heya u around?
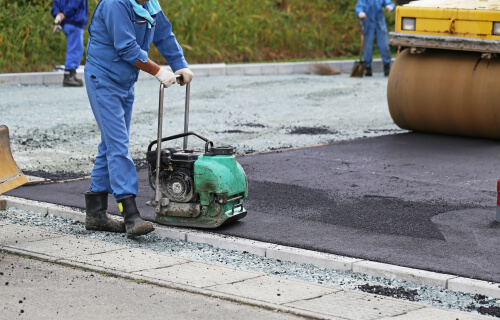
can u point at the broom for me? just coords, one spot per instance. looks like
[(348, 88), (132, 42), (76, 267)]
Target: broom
[(324, 69), (358, 70)]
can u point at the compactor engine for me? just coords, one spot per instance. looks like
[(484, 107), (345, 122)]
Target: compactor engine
[(198, 189)]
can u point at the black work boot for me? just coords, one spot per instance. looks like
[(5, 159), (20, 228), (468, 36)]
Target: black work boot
[(387, 69), (78, 80), (96, 218), (134, 225), (368, 72), (70, 79)]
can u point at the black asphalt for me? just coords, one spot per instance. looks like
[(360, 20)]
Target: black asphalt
[(416, 200)]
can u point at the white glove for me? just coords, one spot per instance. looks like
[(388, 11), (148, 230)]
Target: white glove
[(57, 28), (166, 77), (388, 8), (57, 23), (187, 76), (362, 15)]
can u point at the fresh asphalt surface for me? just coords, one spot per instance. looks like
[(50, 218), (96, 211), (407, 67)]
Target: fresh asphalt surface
[(416, 200)]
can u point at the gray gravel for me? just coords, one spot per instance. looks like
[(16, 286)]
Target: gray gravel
[(53, 129), (434, 296)]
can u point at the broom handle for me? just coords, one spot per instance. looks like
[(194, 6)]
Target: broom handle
[(362, 28)]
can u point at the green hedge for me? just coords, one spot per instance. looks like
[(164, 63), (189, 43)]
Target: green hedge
[(209, 31)]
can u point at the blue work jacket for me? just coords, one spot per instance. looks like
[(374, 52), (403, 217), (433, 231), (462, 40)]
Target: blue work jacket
[(118, 38), (373, 10), (76, 12)]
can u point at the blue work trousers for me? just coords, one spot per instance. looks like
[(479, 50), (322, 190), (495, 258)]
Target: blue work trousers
[(74, 46), (372, 31), (114, 171)]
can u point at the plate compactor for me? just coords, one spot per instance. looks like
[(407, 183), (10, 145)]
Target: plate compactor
[(202, 189)]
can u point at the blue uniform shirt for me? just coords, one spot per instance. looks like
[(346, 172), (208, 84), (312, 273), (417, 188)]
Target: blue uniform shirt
[(373, 10), (75, 12), (118, 38)]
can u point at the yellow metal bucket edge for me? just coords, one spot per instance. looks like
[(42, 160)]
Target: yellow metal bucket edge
[(10, 175)]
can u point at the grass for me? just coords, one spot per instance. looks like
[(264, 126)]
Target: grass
[(210, 31)]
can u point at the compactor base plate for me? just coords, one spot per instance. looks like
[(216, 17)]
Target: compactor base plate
[(200, 222)]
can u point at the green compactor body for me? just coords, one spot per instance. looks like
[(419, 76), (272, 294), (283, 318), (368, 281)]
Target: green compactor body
[(198, 189)]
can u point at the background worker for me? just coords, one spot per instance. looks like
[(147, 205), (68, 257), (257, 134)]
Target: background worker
[(120, 35), (370, 12), (71, 17)]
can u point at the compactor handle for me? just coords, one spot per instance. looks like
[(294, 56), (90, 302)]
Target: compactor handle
[(186, 107), (160, 134), (180, 135)]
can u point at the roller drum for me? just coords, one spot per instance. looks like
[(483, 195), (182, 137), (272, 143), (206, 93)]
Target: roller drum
[(449, 92)]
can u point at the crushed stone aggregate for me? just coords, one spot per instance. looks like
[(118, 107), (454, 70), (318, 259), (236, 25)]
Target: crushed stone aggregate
[(252, 114), (433, 296)]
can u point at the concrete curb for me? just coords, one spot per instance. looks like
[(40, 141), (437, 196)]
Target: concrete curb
[(202, 70), (389, 271), (297, 255), (318, 259), (490, 289)]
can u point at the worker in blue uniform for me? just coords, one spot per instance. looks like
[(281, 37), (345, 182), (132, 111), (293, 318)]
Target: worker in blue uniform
[(370, 12), (71, 17), (120, 34)]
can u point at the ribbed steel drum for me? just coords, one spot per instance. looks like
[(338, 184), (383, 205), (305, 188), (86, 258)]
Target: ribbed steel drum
[(449, 92)]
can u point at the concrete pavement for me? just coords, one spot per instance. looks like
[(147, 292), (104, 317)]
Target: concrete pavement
[(44, 290), (25, 280)]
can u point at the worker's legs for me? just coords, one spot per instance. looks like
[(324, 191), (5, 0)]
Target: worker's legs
[(100, 174), (100, 181), (383, 46), (74, 54), (74, 46), (114, 171), (368, 44)]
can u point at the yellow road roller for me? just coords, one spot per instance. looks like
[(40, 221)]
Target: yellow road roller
[(446, 77)]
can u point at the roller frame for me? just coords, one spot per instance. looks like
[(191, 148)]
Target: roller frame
[(444, 42)]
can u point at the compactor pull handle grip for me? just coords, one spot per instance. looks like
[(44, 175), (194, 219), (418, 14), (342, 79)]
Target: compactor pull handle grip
[(177, 76), (186, 108)]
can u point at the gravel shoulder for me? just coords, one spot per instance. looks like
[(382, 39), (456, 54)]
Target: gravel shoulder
[(252, 114)]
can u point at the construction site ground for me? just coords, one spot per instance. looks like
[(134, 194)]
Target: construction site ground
[(367, 190), (413, 200)]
